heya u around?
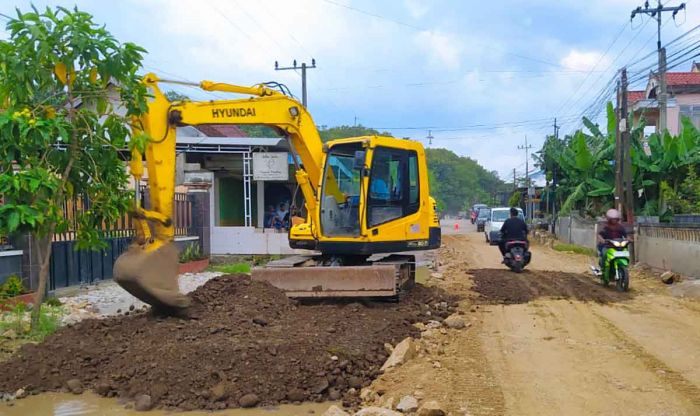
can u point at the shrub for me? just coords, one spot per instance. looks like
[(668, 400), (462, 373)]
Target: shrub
[(192, 253), (12, 287)]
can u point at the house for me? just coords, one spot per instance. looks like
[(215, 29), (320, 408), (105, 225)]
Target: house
[(245, 177), (683, 90)]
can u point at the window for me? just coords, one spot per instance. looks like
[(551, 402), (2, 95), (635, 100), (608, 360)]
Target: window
[(340, 201), (393, 185)]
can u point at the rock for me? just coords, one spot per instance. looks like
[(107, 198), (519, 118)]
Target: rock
[(668, 277), (75, 386), (432, 324), (388, 347), (389, 403), (431, 408), (102, 389), (436, 275), (355, 382), (296, 395), (334, 394), (20, 394), (377, 411), (249, 400), (454, 322), (407, 404), (404, 351), (260, 321), (335, 411), (219, 392), (320, 385), (143, 403), (9, 334), (367, 395), (436, 364)]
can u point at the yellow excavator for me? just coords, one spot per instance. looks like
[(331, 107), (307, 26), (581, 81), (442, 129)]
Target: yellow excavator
[(367, 201)]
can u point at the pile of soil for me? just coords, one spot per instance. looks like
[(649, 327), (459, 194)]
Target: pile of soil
[(502, 286), (243, 344)]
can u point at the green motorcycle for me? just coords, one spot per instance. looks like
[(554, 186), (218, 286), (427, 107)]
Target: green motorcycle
[(616, 263)]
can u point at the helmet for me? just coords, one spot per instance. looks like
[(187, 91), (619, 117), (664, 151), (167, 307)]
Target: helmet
[(612, 214)]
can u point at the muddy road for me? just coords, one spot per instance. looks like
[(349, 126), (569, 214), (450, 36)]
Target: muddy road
[(552, 341)]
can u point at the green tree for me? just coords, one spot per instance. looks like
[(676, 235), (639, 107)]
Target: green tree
[(61, 77), (341, 132), (457, 181)]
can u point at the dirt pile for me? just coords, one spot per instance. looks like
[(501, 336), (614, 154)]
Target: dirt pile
[(244, 344), (502, 286)]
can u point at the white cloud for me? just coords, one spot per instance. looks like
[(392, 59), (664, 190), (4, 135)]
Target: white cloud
[(582, 61), (417, 8), (442, 49)]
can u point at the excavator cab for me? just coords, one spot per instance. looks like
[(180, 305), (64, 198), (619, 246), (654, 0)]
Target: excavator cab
[(366, 198)]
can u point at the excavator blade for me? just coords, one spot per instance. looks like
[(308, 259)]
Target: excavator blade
[(300, 279), (151, 276)]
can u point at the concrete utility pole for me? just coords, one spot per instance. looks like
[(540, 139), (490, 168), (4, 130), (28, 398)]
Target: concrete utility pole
[(655, 13), (626, 153), (619, 190), (530, 194), (515, 181), (430, 138), (303, 68)]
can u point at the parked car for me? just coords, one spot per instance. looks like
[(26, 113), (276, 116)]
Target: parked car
[(492, 226), (475, 211), (481, 218)]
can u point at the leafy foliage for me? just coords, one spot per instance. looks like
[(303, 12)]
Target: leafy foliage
[(60, 75), (341, 132), (685, 200), (12, 287), (583, 166), (68, 92), (192, 252)]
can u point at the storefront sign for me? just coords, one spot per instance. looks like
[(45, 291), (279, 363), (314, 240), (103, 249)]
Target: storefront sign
[(271, 166)]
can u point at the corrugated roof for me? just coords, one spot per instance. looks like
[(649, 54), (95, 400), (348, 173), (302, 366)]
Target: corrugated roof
[(221, 130)]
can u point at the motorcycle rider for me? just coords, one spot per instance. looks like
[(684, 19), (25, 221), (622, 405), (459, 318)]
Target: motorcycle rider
[(612, 230), (514, 228)]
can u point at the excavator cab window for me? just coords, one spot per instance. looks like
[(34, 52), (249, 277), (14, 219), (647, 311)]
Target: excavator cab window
[(340, 204), (393, 185)]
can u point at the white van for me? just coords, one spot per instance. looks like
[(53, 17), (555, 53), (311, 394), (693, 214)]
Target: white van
[(492, 228)]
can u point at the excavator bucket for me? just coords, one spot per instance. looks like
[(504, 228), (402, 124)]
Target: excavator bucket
[(151, 276)]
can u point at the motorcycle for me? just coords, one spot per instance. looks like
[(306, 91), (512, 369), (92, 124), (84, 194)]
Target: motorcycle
[(517, 255), (616, 262)]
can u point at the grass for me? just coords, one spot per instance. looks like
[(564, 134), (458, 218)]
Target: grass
[(573, 248), (231, 268), (18, 321)]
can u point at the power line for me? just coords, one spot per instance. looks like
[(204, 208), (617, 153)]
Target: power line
[(617, 36), (375, 15)]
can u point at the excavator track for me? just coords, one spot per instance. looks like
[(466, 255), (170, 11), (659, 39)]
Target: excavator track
[(385, 276)]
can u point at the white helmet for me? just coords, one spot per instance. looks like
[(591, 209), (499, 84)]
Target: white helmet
[(612, 214)]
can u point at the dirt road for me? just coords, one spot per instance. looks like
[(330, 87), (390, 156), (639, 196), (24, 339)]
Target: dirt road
[(552, 341)]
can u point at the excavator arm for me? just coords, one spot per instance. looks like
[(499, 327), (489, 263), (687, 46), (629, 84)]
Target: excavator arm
[(148, 268)]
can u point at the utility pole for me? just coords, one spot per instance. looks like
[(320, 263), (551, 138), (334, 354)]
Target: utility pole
[(430, 138), (527, 177), (303, 68), (626, 154), (655, 13), (515, 181), (619, 190)]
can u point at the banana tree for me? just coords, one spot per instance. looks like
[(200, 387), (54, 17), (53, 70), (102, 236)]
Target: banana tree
[(588, 174)]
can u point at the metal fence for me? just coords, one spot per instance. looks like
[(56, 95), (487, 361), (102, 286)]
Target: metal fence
[(71, 267)]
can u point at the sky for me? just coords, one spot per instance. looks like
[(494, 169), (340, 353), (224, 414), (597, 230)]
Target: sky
[(479, 77)]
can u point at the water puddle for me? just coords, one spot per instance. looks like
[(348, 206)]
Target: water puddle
[(89, 404)]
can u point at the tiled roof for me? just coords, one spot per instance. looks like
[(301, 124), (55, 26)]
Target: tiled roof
[(634, 96), (682, 78), (221, 130)]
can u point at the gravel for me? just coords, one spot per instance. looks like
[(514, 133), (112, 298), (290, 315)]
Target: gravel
[(109, 299)]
